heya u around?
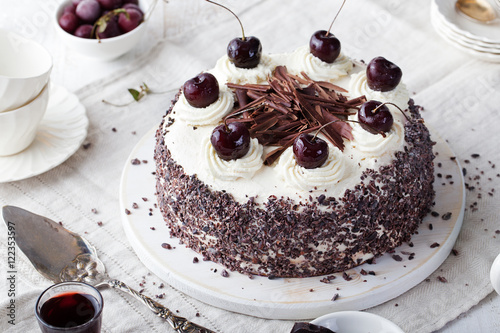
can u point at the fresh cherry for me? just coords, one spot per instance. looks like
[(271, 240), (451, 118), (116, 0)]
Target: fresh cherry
[(133, 6), (382, 75), (70, 8), (84, 31), (88, 10), (202, 90), (325, 46), (231, 141), (303, 327), (130, 22), (110, 4), (245, 52), (111, 29), (68, 22), (310, 152), (375, 117)]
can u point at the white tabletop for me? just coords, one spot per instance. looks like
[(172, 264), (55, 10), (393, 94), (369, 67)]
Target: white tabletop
[(397, 29)]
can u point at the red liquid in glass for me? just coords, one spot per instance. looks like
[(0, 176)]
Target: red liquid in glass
[(70, 310)]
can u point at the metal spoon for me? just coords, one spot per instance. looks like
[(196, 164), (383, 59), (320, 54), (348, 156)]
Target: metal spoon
[(478, 10), (61, 255)]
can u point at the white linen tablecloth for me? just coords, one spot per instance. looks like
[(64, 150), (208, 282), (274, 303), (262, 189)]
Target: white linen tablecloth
[(461, 97)]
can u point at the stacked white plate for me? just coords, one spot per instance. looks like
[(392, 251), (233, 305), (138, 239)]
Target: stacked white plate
[(480, 40)]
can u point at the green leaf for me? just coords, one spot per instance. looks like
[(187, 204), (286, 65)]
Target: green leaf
[(135, 94)]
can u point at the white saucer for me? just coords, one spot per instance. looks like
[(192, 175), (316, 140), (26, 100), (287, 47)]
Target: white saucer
[(440, 24), (356, 322), (60, 134), (495, 274), (487, 33), (476, 48), (286, 298)]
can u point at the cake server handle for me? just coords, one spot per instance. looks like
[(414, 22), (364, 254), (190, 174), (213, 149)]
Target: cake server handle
[(179, 324)]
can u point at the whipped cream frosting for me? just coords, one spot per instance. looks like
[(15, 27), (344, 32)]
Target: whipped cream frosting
[(226, 71), (376, 145), (210, 115), (358, 86), (248, 177), (303, 61), (244, 167), (295, 176)]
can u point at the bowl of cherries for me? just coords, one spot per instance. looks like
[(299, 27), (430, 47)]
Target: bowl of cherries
[(101, 29)]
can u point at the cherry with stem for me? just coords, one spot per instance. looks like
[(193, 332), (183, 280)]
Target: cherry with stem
[(324, 45), (400, 110), (244, 52), (230, 141)]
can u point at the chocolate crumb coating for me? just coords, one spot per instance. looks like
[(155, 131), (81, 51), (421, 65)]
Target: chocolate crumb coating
[(286, 238)]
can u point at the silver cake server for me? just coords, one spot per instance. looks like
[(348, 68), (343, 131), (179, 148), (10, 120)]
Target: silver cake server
[(61, 255)]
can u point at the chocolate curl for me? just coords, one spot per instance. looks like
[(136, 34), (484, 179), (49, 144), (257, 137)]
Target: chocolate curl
[(289, 105)]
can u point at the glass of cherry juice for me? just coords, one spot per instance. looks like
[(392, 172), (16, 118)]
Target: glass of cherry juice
[(74, 307)]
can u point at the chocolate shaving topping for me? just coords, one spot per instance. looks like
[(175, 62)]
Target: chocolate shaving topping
[(290, 105)]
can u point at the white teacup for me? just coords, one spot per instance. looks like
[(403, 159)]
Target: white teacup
[(18, 127), (25, 68)]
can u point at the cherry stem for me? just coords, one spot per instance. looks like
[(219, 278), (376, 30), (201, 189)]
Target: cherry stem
[(323, 126), (144, 91), (241, 25), (389, 103), (349, 121), (117, 105), (239, 112), (330, 28), (250, 108), (103, 21), (370, 127)]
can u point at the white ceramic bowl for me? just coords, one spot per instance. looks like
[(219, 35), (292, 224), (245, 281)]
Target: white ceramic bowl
[(495, 274), (104, 49), (18, 127), (25, 68), (356, 322)]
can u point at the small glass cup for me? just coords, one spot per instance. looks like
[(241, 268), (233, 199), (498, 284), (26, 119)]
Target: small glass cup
[(74, 307)]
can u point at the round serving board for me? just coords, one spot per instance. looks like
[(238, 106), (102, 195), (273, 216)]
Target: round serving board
[(287, 298)]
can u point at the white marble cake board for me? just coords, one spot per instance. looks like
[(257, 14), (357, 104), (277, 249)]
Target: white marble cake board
[(287, 298)]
